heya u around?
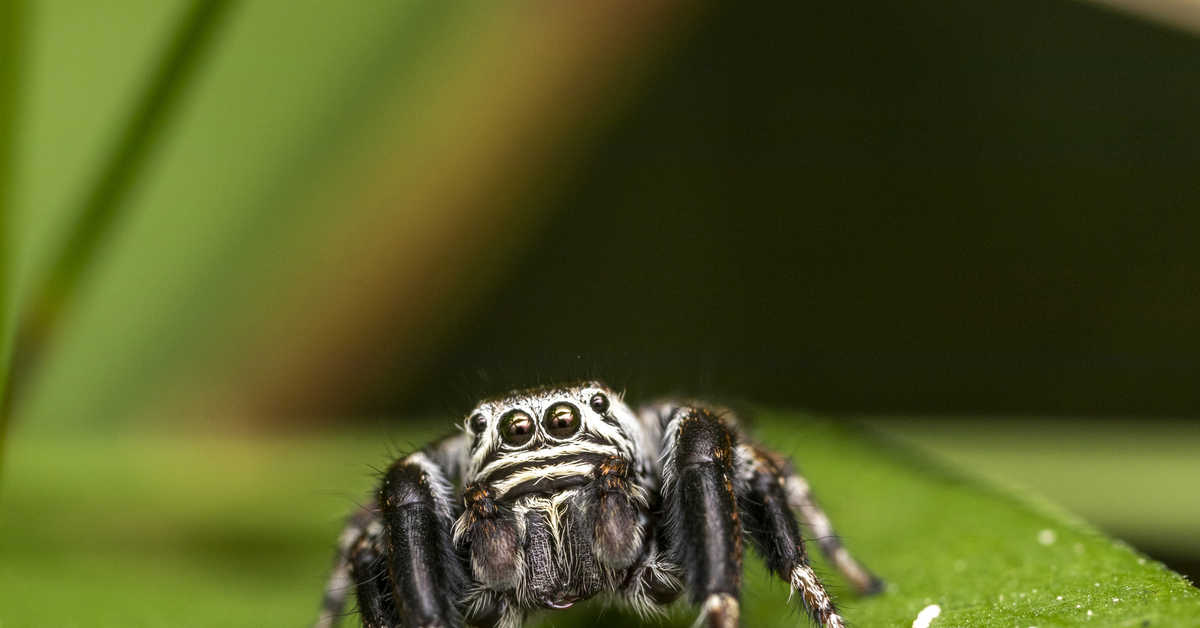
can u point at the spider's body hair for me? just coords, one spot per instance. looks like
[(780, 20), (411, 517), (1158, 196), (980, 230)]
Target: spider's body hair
[(557, 494), (560, 561), (620, 432)]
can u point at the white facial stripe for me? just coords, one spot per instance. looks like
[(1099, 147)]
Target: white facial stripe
[(626, 439), (641, 441), (614, 434), (550, 472), (525, 457), (669, 435)]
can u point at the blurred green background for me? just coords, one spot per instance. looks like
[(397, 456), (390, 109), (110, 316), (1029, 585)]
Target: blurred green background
[(972, 225)]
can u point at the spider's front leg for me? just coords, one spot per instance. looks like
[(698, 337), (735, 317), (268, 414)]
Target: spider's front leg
[(427, 578), (397, 555), (616, 534), (703, 525)]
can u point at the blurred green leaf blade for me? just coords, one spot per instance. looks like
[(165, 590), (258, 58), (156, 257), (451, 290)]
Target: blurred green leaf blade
[(105, 201), (11, 39)]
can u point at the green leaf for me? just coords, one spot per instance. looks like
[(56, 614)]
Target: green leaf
[(120, 170), (202, 531), (21, 348)]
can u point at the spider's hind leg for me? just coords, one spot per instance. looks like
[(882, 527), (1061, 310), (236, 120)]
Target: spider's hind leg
[(776, 535), (800, 498)]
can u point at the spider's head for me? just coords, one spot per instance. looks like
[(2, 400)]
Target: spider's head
[(551, 425)]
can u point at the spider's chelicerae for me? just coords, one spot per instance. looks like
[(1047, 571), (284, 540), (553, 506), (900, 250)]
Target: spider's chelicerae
[(553, 495)]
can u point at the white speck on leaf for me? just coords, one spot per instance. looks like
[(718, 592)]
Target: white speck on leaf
[(1047, 537), (927, 615)]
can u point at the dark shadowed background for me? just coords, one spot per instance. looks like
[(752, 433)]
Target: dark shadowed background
[(915, 207)]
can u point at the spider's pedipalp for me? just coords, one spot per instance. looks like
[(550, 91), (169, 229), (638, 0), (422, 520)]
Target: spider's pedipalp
[(489, 528), (616, 505), (485, 608)]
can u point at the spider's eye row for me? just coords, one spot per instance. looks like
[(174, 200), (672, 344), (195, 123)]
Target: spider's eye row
[(562, 420), (478, 423), (599, 403), (516, 428)]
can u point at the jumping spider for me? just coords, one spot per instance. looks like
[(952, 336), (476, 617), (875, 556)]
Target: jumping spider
[(552, 495)]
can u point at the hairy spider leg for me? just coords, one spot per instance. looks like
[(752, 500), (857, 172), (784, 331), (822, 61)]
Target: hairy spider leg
[(800, 497), (371, 582), (340, 582), (413, 509), (399, 554), (617, 504), (427, 578), (773, 528), (702, 521)]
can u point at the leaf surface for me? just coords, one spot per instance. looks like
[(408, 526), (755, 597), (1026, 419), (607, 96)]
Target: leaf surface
[(175, 531)]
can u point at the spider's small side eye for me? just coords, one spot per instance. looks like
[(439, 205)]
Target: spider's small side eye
[(478, 423), (599, 403), (517, 428), (562, 420)]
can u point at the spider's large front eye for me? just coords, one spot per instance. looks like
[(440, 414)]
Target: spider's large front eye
[(517, 428), (562, 420), (478, 423)]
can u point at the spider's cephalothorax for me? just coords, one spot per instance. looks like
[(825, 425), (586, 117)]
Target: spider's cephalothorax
[(554, 495)]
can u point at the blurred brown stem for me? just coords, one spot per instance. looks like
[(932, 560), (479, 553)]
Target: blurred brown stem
[(40, 318)]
